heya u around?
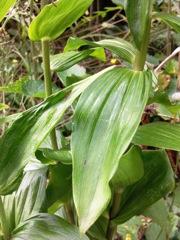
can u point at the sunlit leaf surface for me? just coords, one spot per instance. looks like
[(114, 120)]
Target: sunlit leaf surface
[(106, 118), (53, 20)]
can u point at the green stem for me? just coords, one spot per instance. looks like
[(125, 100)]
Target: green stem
[(48, 82), (111, 230), (3, 220), (33, 49), (140, 58), (169, 50)]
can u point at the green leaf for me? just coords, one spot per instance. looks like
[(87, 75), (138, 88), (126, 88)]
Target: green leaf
[(130, 168), (46, 226), (28, 200), (99, 228), (63, 61), (169, 19), (5, 5), (27, 132), (159, 134), (157, 181), (30, 197), (118, 2), (103, 129), (27, 87), (60, 186), (72, 75), (154, 231), (3, 106), (62, 155), (137, 13), (158, 212), (8, 118), (130, 227), (53, 21), (118, 46)]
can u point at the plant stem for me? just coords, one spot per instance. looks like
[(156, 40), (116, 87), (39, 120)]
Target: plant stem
[(168, 52), (111, 230), (33, 49), (48, 82), (69, 212), (140, 58), (3, 220)]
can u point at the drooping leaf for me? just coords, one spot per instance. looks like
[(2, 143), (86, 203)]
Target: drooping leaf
[(159, 134), (169, 19), (118, 46), (59, 189), (27, 132), (63, 61), (102, 131), (157, 181), (63, 155), (46, 226), (52, 21), (137, 13), (130, 168), (5, 5)]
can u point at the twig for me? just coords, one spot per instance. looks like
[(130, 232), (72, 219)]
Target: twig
[(176, 51)]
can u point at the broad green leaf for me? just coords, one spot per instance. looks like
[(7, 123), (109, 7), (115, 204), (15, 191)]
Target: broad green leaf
[(27, 87), (63, 61), (3, 106), (130, 227), (63, 155), (137, 13), (5, 5), (72, 75), (154, 231), (28, 200), (130, 168), (53, 21), (158, 212), (169, 19), (27, 132), (47, 227), (60, 185), (103, 128), (159, 134), (157, 181), (118, 46), (9, 207)]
